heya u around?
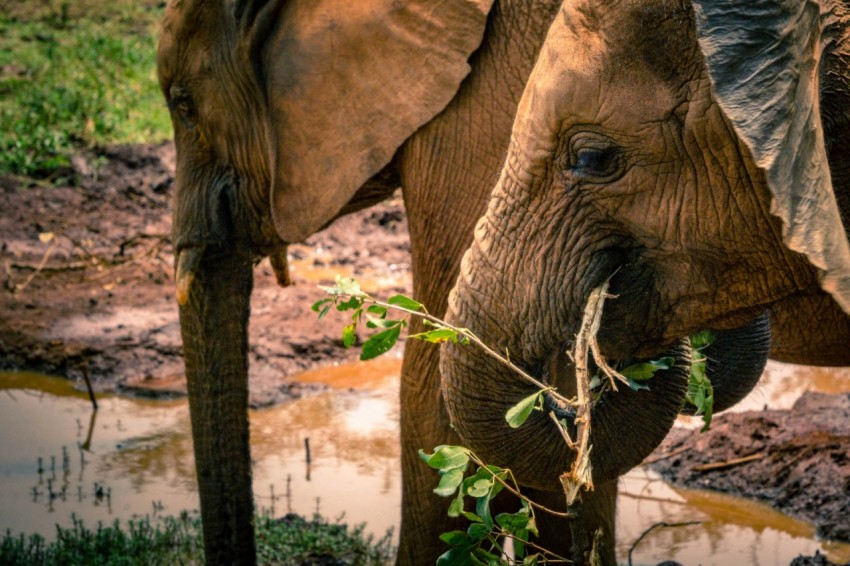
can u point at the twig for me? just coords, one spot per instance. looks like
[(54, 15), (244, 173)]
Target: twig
[(564, 432), (653, 527), (20, 287), (85, 369), (557, 559), (728, 463), (580, 473), (133, 259), (659, 457), (507, 486), (69, 266), (472, 338)]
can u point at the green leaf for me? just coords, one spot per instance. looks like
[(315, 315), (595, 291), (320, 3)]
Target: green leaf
[(644, 371), (437, 336), (449, 482), (456, 506), (480, 487), (708, 411), (344, 286), (702, 339), (317, 305), (532, 526), (380, 343), (477, 531), (530, 560), (482, 509), (405, 302), (348, 335), (520, 412), (485, 558), (352, 303), (324, 312), (378, 310), (513, 522), (637, 386), (446, 457), (455, 538), (700, 393), (348, 286), (472, 517), (458, 556), (374, 322)]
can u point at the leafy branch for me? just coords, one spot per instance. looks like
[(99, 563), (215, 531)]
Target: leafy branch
[(481, 544), (347, 295), (700, 393)]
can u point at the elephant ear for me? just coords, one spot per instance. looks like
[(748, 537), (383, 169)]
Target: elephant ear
[(347, 82), (763, 58)]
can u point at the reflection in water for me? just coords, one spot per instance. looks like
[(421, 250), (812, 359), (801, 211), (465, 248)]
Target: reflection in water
[(134, 457), (138, 460), (730, 530)]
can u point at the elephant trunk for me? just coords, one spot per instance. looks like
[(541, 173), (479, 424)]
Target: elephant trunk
[(625, 425), (214, 325)]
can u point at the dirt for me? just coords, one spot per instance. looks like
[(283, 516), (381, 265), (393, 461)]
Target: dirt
[(797, 461), (86, 286), (86, 281)]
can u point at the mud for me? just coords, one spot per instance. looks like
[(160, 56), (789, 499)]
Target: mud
[(798, 461), (86, 280)]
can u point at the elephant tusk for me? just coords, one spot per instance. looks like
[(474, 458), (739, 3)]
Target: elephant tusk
[(188, 262), (280, 265)]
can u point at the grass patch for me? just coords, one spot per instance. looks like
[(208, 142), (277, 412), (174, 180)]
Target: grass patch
[(177, 540), (73, 76)]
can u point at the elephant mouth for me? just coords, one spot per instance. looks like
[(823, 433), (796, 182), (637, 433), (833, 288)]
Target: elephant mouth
[(733, 357), (558, 370)]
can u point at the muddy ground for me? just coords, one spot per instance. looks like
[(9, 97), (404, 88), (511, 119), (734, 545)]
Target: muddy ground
[(797, 461), (86, 286), (86, 280)]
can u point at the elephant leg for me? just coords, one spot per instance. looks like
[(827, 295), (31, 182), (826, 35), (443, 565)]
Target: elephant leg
[(424, 424), (447, 171)]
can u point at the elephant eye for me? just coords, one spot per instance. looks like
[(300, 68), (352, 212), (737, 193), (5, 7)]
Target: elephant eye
[(181, 104), (593, 158)]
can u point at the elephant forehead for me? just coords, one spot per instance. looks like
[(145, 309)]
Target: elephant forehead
[(585, 75)]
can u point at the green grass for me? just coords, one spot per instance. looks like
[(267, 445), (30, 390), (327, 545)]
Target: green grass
[(76, 75), (177, 540)]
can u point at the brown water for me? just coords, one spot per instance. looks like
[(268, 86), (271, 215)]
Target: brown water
[(139, 453)]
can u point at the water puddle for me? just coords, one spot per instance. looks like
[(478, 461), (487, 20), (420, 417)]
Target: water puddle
[(134, 458)]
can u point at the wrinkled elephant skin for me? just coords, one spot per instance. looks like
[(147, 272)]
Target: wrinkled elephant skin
[(683, 153)]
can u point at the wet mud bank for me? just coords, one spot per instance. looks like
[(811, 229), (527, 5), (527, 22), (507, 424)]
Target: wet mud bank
[(797, 461), (86, 280)]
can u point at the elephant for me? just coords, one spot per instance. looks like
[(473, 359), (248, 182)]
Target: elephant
[(694, 156), (290, 113)]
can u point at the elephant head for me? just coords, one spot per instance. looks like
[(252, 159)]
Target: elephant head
[(677, 151), (286, 114)]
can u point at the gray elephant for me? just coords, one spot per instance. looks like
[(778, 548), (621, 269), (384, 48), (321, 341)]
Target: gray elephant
[(289, 113), (694, 155)]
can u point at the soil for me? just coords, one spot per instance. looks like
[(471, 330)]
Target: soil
[(86, 281), (798, 460), (86, 287)]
